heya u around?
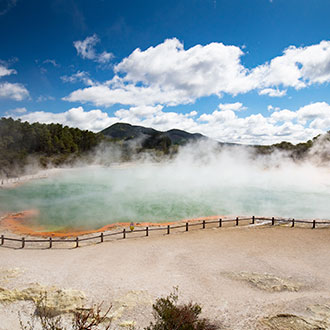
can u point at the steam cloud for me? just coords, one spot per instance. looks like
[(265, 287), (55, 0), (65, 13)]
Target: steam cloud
[(200, 180)]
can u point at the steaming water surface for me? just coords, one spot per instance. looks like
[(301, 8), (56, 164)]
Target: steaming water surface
[(94, 196)]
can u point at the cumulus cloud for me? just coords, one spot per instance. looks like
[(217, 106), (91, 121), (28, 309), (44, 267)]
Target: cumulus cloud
[(79, 76), (115, 92), (315, 115), (271, 108), (318, 114), (237, 106), (196, 70), (17, 111), (4, 71), (283, 115), (13, 91), (86, 49), (94, 120), (298, 67), (168, 74), (20, 110), (222, 125), (272, 92)]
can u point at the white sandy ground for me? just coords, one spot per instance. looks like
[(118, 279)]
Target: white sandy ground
[(132, 273), (14, 181)]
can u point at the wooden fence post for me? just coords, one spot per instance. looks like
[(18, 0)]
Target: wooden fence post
[(168, 229), (101, 237), (253, 220), (292, 223), (220, 222), (23, 242), (273, 221), (237, 221), (77, 242), (50, 242), (187, 226), (147, 231), (2, 239), (314, 222), (124, 233), (203, 224)]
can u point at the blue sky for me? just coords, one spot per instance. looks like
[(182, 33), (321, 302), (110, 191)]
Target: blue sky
[(253, 71)]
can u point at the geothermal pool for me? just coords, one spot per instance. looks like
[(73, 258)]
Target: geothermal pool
[(92, 197)]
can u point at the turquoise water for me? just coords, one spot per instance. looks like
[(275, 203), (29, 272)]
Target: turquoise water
[(93, 197)]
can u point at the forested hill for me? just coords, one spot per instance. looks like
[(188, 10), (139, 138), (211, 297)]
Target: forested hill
[(53, 144), (50, 144), (150, 138)]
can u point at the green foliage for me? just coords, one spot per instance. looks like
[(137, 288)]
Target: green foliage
[(51, 144), (169, 315), (296, 151)]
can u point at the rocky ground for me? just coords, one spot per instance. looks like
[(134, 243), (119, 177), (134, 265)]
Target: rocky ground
[(245, 277)]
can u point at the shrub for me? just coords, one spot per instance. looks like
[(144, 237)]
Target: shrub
[(82, 319), (169, 315)]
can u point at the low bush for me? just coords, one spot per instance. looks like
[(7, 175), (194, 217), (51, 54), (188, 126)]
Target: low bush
[(82, 319), (169, 315)]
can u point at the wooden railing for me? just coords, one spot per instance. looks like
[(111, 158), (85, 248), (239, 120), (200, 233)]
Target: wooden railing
[(166, 229)]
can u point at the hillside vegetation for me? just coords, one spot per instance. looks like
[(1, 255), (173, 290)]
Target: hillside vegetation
[(50, 144), (46, 145)]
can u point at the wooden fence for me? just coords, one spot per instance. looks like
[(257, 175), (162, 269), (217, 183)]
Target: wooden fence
[(100, 238)]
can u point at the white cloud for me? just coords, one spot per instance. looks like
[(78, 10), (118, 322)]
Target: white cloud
[(222, 125), (318, 114), (42, 98), (271, 108), (86, 49), (20, 110), (168, 74), (12, 91), (283, 115), (297, 67), (104, 95), (237, 106), (4, 71), (155, 117), (79, 76), (199, 71), (218, 116), (51, 61), (226, 126), (94, 120), (272, 92), (17, 111)]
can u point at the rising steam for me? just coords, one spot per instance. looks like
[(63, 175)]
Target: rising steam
[(202, 179)]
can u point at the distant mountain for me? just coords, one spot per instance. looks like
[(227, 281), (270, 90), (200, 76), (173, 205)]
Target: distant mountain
[(152, 137)]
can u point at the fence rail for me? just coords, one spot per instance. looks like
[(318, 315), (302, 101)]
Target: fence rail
[(167, 230)]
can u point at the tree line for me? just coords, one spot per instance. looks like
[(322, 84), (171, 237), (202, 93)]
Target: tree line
[(22, 143), (53, 144)]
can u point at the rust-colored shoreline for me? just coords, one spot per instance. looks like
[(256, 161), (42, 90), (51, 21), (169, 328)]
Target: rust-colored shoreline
[(22, 224)]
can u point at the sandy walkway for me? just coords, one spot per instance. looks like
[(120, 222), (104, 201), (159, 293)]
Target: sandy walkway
[(208, 266)]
